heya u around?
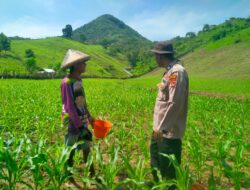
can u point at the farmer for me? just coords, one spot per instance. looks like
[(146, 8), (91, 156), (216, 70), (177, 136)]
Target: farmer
[(75, 114), (170, 112)]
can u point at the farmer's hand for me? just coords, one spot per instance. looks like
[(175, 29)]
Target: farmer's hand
[(91, 121)]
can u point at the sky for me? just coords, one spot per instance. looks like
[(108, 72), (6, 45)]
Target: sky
[(154, 19)]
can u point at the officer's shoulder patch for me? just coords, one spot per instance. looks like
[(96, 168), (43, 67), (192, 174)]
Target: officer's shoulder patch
[(166, 76), (173, 79)]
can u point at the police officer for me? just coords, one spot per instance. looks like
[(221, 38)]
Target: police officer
[(170, 112)]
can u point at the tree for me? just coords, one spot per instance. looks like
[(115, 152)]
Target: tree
[(190, 34), (83, 38), (4, 43), (219, 35), (105, 43), (29, 53), (229, 23), (132, 58), (30, 64), (248, 19), (206, 28), (67, 31)]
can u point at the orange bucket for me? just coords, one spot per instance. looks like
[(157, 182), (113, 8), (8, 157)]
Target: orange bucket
[(101, 128)]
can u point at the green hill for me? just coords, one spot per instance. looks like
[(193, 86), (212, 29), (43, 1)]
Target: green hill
[(50, 52), (220, 68), (110, 28), (233, 30), (227, 62), (220, 51), (224, 58), (119, 40)]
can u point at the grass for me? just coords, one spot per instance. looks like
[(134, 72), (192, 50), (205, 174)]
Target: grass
[(231, 62), (237, 88), (223, 122), (50, 52)]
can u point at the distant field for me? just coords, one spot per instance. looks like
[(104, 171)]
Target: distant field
[(237, 88)]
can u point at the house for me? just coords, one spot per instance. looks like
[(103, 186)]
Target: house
[(44, 72)]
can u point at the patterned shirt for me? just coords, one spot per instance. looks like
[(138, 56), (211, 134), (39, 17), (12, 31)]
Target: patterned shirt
[(74, 107)]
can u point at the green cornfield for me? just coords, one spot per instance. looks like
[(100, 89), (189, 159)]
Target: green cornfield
[(216, 149)]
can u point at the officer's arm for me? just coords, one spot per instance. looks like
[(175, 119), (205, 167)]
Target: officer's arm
[(177, 89)]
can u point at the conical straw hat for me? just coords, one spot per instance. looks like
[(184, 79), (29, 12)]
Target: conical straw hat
[(73, 57)]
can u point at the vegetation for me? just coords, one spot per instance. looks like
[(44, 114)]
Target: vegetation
[(119, 40), (32, 151), (233, 30), (30, 64), (4, 43), (29, 53), (49, 53), (37, 161), (67, 31), (123, 48)]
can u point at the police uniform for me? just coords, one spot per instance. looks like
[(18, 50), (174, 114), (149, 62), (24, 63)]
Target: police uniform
[(169, 120)]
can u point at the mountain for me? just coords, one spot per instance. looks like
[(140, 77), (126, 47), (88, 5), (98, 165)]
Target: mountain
[(107, 27), (119, 40), (49, 53)]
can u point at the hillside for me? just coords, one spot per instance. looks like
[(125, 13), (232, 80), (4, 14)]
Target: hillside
[(220, 51), (119, 40), (50, 52), (223, 58), (233, 30)]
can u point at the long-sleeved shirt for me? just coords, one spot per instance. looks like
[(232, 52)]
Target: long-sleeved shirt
[(170, 112), (74, 107)]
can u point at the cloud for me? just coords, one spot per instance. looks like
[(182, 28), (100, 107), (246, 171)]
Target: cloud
[(177, 20), (29, 27), (167, 23)]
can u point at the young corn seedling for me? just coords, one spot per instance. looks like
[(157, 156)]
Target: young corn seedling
[(12, 165), (87, 178), (136, 173), (184, 179), (55, 167), (108, 170)]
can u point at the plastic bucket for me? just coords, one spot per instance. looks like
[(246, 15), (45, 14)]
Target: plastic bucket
[(101, 128)]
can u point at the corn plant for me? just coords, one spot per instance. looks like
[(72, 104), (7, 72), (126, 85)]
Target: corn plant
[(184, 179), (55, 167), (13, 164), (87, 178), (136, 174), (109, 170), (216, 136), (196, 154)]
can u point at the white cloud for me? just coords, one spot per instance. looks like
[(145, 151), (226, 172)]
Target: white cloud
[(167, 23), (28, 27), (173, 21)]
